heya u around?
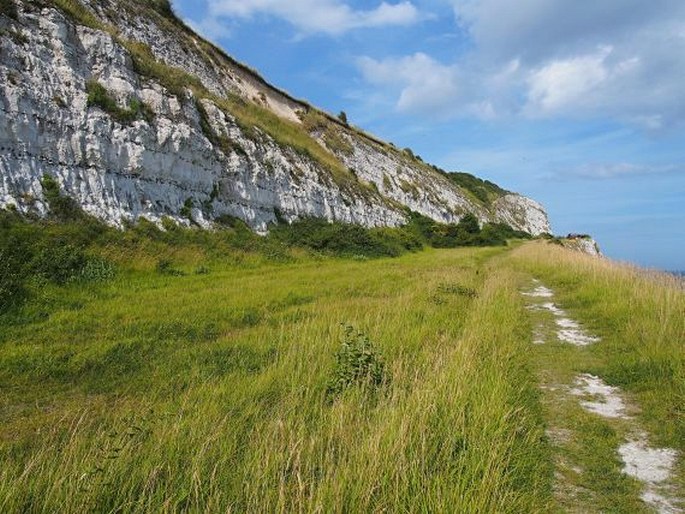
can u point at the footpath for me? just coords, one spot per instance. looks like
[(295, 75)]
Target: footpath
[(604, 461)]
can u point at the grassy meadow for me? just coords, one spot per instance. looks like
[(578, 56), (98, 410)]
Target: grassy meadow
[(211, 375)]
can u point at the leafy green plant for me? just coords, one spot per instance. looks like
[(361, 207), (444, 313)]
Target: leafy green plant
[(357, 363), (97, 269), (63, 208), (465, 233), (59, 263), (346, 239)]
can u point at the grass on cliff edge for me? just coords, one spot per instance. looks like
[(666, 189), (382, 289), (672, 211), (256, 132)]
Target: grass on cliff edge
[(211, 392), (640, 316)]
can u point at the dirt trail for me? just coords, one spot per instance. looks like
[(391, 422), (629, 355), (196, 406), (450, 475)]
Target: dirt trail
[(564, 390)]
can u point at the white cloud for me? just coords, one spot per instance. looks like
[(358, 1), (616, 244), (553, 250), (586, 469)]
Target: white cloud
[(536, 30), (567, 85), (318, 16), (612, 59), (424, 84), (210, 28)]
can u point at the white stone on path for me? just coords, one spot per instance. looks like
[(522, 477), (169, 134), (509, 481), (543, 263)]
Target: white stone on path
[(606, 400)]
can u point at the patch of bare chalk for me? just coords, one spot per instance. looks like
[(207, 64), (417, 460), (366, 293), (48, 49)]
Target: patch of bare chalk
[(576, 337), (540, 292), (569, 330), (651, 466), (600, 398)]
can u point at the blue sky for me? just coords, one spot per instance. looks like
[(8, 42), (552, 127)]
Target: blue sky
[(580, 105)]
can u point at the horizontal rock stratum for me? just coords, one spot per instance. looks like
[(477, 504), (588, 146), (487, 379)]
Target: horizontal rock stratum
[(136, 116)]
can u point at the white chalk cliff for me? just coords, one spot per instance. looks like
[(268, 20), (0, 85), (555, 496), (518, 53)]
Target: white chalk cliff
[(199, 134)]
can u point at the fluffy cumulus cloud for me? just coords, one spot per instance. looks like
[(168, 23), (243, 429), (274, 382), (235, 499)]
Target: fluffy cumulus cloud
[(623, 59), (424, 84), (318, 16), (578, 83)]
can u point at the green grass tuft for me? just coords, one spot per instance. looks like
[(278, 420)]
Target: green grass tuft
[(98, 96)]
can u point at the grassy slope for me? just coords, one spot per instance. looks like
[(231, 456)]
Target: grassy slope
[(208, 392)]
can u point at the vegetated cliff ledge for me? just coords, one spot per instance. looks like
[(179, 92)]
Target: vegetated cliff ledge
[(136, 116), (583, 243)]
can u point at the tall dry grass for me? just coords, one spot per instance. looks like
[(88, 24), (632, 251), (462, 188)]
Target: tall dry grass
[(640, 315), (208, 393)]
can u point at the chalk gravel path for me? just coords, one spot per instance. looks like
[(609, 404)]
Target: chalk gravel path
[(653, 467)]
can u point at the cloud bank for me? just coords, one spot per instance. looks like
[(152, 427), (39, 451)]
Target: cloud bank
[(621, 59), (330, 17)]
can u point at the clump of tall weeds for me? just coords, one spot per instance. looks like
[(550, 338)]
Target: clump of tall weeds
[(357, 363)]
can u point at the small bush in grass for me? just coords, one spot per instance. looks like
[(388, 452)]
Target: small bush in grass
[(59, 263), (62, 263), (357, 363), (345, 239), (166, 267)]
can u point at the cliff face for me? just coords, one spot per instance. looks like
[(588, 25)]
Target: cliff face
[(583, 244), (136, 116)]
